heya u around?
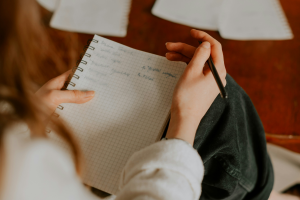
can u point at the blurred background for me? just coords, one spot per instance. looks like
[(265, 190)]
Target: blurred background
[(264, 60)]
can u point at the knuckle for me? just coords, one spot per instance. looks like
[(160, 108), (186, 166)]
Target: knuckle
[(57, 80), (51, 95), (215, 42), (180, 46), (173, 56), (218, 44), (180, 57), (75, 94), (176, 56), (200, 32)]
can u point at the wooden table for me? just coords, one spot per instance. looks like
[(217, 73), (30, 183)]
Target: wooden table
[(269, 71)]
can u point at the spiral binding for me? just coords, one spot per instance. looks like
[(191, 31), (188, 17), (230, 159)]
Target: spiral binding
[(80, 61), (283, 18), (60, 107), (76, 76)]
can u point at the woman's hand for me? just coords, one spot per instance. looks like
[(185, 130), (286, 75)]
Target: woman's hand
[(196, 90), (52, 95)]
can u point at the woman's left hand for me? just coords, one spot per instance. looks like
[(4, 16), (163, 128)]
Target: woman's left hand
[(179, 51), (52, 95)]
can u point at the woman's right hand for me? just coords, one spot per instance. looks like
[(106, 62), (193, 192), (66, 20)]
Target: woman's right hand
[(196, 90)]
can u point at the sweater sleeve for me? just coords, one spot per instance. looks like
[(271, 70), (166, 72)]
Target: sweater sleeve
[(169, 169)]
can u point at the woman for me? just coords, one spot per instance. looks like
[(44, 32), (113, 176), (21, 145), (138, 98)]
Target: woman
[(230, 137), (35, 168)]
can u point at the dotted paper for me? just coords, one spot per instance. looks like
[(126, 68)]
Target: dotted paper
[(133, 96)]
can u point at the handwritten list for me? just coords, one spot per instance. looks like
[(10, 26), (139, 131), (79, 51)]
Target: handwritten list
[(133, 96)]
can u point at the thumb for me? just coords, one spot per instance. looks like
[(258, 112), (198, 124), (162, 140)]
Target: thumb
[(72, 96), (201, 55)]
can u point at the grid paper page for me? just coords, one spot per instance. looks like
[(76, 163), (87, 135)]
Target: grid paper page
[(133, 95)]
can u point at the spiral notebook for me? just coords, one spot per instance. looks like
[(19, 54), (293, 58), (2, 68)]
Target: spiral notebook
[(203, 14), (254, 20), (105, 17), (235, 19), (133, 95)]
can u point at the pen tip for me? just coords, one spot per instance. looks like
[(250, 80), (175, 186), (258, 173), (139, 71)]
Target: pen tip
[(224, 96)]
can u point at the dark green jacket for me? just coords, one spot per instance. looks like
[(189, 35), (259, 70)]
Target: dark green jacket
[(231, 142)]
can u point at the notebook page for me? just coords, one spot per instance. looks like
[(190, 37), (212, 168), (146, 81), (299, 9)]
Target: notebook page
[(201, 14), (133, 95), (285, 166), (254, 20), (49, 4), (105, 17)]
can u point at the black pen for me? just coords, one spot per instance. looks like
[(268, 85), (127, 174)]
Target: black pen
[(214, 71)]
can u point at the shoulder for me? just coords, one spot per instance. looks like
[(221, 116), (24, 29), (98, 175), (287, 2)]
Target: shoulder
[(35, 154), (38, 168)]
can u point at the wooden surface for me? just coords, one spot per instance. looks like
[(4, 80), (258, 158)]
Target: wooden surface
[(269, 71)]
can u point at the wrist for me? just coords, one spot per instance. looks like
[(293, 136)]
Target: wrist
[(182, 128), (177, 139)]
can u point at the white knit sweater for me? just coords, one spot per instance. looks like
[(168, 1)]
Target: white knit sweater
[(40, 170)]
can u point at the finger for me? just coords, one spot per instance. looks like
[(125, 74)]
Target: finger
[(216, 47), (206, 69), (184, 49), (58, 82), (173, 56), (71, 96), (201, 55)]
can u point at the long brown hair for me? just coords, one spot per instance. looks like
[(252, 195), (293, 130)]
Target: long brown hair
[(28, 56)]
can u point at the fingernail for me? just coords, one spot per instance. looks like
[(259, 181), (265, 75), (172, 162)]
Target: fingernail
[(89, 94), (167, 54), (166, 43), (205, 45)]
